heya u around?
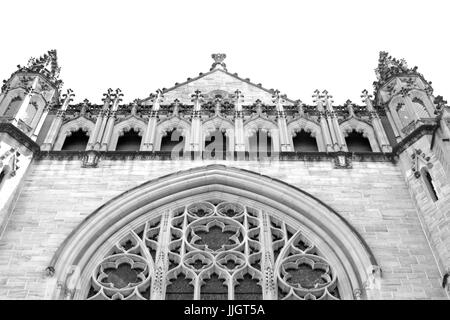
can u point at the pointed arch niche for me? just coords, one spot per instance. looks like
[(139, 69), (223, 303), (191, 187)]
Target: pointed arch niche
[(127, 135), (81, 125), (212, 232), (173, 133)]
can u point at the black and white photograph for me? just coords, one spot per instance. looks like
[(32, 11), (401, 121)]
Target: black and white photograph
[(239, 151)]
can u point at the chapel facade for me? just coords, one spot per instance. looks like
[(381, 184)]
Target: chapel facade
[(219, 188)]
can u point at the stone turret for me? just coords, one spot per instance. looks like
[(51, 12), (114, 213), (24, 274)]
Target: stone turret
[(25, 100), (420, 125), (404, 93), (29, 92)]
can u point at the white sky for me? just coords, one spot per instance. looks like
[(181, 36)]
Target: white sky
[(293, 46)]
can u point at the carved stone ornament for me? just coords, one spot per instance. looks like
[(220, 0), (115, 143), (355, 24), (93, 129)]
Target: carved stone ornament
[(357, 293), (213, 250), (218, 61), (389, 67), (373, 278), (9, 162), (91, 159), (419, 160), (342, 160), (46, 65)]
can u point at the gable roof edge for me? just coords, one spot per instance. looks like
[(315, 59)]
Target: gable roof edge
[(211, 72)]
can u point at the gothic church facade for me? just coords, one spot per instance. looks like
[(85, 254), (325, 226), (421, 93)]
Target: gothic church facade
[(219, 188)]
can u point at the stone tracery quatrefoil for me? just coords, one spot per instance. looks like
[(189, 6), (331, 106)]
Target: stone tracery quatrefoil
[(201, 209), (198, 260), (122, 273), (214, 234), (231, 261)]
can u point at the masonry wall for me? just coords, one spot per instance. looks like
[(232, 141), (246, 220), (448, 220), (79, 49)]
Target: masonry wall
[(58, 194), (434, 214), (12, 182)]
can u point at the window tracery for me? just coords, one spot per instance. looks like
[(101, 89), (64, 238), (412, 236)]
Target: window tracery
[(214, 250)]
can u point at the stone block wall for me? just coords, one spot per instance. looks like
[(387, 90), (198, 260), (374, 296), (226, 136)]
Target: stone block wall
[(58, 194), (435, 215), (10, 184)]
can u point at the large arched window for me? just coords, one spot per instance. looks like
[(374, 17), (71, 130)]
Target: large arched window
[(187, 237), (215, 251)]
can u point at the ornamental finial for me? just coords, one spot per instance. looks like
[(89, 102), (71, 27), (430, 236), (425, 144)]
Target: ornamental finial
[(218, 61)]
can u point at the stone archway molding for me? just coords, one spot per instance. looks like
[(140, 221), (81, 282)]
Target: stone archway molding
[(335, 236)]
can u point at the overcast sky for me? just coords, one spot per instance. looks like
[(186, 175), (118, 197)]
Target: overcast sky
[(293, 46)]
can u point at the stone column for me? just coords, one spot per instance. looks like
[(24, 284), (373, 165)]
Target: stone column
[(336, 133), (382, 138), (196, 126), (323, 121), (96, 137), (158, 286), (111, 120), (149, 143), (394, 125), (267, 260), (285, 144), (40, 120), (239, 135), (30, 91), (35, 131), (3, 93), (53, 132)]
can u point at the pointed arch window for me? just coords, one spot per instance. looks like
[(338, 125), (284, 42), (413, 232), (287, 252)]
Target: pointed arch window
[(129, 141), (171, 140), (356, 142), (31, 112), (429, 184), (215, 250), (180, 288), (405, 117), (216, 144), (13, 106), (76, 141), (2, 176), (419, 108), (304, 142)]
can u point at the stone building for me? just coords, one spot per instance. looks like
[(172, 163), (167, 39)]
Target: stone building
[(218, 188)]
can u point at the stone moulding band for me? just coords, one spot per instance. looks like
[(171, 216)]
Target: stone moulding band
[(17, 134), (192, 155)]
